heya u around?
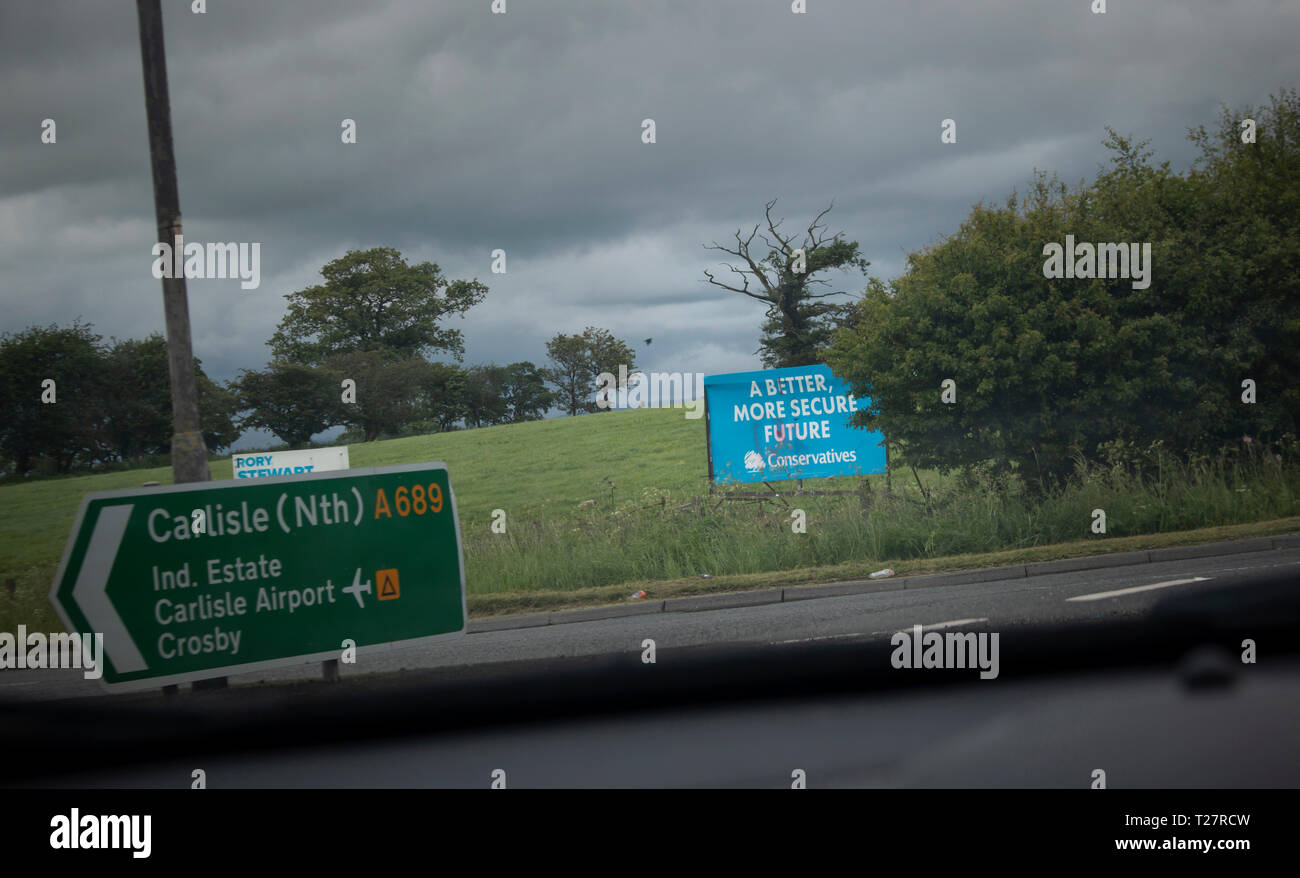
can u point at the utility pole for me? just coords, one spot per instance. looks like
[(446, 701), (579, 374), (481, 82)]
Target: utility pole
[(189, 454)]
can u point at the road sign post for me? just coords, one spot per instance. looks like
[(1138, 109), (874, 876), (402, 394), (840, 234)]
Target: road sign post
[(192, 581)]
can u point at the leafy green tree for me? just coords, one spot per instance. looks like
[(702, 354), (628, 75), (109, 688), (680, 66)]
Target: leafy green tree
[(523, 388), (373, 300), (388, 390), (61, 431), (445, 389), (1044, 369), (112, 403), (485, 402), (1047, 369), (218, 409), (506, 394), (975, 309), (1245, 258), (294, 402), (576, 362), (799, 323), (570, 372), (138, 422)]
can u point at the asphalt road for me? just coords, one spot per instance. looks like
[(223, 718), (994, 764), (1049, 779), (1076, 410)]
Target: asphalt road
[(996, 605)]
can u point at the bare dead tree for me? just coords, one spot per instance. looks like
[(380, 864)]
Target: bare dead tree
[(798, 324)]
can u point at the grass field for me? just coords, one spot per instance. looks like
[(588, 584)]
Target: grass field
[(534, 471), (650, 521)]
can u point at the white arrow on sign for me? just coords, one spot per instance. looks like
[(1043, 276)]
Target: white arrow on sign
[(91, 591)]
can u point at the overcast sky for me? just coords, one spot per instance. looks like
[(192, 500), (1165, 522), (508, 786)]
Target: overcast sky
[(522, 132)]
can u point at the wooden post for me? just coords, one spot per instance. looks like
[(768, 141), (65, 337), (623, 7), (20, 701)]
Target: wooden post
[(189, 453)]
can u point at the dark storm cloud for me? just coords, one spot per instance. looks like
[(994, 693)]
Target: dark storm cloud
[(478, 131)]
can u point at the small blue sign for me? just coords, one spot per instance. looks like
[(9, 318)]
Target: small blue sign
[(786, 424)]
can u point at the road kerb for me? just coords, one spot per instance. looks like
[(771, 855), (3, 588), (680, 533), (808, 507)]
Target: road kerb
[(612, 611), (723, 601), (841, 589), (960, 577), (1210, 550), (504, 623)]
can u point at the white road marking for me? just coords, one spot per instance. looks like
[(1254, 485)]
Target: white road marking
[(823, 637), (1137, 588), (953, 623), (949, 624)]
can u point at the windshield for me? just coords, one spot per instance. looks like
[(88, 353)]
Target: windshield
[(499, 337)]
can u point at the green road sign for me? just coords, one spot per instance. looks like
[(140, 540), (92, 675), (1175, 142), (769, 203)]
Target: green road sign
[(202, 580)]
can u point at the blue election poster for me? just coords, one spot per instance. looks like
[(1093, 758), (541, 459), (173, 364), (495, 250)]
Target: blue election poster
[(786, 424)]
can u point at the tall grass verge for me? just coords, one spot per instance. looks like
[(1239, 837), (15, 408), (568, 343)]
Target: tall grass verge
[(661, 536)]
